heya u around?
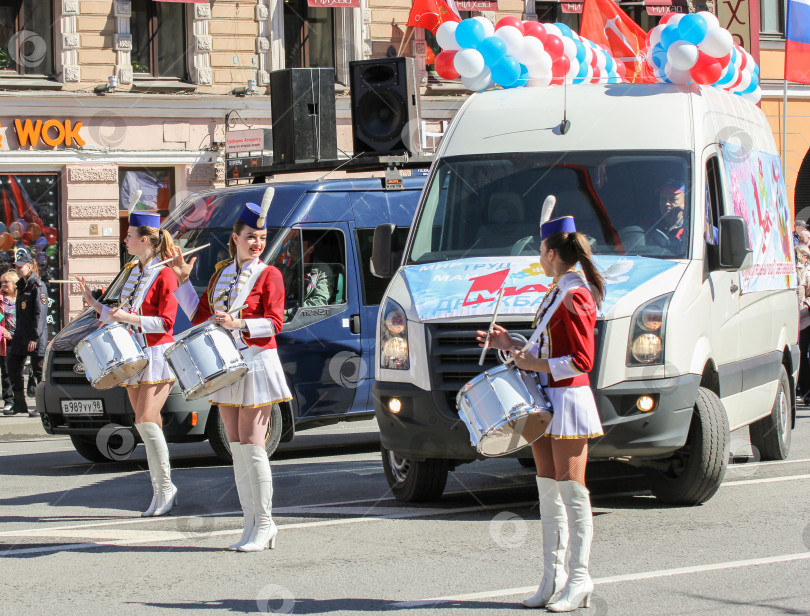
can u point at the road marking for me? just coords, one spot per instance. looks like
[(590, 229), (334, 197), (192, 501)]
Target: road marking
[(629, 577), (747, 482)]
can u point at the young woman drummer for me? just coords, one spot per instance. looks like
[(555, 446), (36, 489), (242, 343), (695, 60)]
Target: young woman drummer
[(245, 406), (563, 355), (148, 304)]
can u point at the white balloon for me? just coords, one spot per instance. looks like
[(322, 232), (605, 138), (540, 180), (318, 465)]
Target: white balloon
[(479, 82), (541, 65), (538, 82), (512, 37), (589, 55), (531, 50), (552, 29), (489, 29), (446, 36), (569, 48), (468, 63), (655, 35), (601, 59), (673, 21), (717, 43), (711, 20), (753, 97), (745, 81), (572, 70), (676, 76), (682, 55)]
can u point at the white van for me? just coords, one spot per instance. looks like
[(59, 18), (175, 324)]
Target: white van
[(697, 336)]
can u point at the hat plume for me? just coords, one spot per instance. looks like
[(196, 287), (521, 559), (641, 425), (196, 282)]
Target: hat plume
[(548, 209), (266, 200)]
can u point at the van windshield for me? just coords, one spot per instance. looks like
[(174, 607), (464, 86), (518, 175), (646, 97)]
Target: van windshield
[(625, 202)]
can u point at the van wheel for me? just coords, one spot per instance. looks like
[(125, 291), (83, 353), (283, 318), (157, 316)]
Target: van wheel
[(414, 481), (771, 435), (696, 470), (218, 439), (87, 448)]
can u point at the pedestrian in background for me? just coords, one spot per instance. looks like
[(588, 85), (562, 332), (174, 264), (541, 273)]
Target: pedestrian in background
[(8, 321), (798, 227), (803, 289), (31, 333)]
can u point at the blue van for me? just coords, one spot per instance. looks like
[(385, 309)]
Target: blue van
[(327, 344)]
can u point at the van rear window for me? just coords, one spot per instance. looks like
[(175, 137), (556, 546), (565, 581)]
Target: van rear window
[(634, 203)]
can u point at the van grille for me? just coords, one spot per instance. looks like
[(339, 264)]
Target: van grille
[(61, 368), (453, 355)]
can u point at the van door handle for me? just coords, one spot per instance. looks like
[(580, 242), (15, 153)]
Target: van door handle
[(355, 326), (734, 288)]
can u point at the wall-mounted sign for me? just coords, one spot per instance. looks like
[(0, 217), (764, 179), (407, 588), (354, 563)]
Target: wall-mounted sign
[(251, 140), (51, 132), (242, 168), (334, 3)]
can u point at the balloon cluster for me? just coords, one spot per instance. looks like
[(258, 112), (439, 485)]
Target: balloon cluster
[(693, 48), (517, 53)]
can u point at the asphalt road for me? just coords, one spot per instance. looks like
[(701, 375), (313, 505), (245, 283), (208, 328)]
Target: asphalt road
[(70, 544)]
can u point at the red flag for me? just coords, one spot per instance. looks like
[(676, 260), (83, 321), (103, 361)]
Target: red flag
[(430, 14), (605, 23)]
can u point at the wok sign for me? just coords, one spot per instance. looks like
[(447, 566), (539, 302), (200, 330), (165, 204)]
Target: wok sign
[(51, 132)]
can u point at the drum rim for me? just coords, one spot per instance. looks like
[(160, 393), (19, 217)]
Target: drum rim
[(482, 440), (197, 387)]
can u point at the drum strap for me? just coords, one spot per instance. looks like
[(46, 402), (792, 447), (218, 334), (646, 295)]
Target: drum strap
[(244, 291), (138, 294), (555, 298)]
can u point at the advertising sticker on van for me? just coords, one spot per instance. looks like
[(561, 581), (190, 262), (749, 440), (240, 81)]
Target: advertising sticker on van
[(469, 287), (758, 193)]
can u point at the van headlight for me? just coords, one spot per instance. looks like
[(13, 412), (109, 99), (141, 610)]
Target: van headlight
[(646, 344), (394, 337)]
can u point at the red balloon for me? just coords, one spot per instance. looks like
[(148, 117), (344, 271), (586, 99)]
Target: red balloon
[(535, 29), (560, 67), (27, 238), (597, 75), (724, 60), (510, 20), (706, 70), (50, 234), (554, 46), (621, 69), (444, 64), (743, 57)]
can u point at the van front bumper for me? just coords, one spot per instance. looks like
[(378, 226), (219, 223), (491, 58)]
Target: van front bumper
[(420, 430)]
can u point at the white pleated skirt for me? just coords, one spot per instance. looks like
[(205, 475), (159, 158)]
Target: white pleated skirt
[(263, 385), (575, 413), (156, 371)]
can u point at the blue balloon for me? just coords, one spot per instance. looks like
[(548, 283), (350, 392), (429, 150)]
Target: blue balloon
[(581, 52), (41, 242), (692, 28), (493, 49), (659, 56), (669, 35), (506, 72), (470, 33), (728, 75), (566, 31), (610, 64), (3, 228), (582, 73), (733, 55), (751, 87), (523, 79)]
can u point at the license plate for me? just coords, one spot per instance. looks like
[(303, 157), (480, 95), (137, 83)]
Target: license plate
[(82, 407)]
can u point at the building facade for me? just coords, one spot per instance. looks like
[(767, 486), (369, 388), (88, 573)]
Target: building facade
[(100, 98)]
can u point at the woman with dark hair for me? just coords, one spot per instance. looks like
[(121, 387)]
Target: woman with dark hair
[(31, 334), (148, 305), (246, 296), (563, 356)]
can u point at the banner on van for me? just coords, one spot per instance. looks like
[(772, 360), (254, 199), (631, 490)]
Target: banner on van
[(758, 193), (469, 287)]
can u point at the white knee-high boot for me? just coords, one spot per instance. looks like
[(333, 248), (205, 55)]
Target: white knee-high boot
[(151, 462), (261, 482), (157, 453), (555, 540), (577, 592), (245, 492)]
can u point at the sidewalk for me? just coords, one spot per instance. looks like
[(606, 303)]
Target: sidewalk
[(14, 427)]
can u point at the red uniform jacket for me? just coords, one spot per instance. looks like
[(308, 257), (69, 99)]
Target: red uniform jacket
[(265, 301), (571, 335), (160, 302)]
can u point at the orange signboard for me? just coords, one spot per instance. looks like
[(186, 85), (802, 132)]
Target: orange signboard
[(51, 132)]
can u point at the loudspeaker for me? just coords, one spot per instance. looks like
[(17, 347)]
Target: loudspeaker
[(302, 103), (385, 106)]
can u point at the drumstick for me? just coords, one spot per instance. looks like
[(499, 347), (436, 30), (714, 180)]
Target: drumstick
[(55, 281), (491, 325), (184, 255)]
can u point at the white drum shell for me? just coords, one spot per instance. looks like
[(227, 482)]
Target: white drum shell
[(498, 407), (110, 356), (205, 359)]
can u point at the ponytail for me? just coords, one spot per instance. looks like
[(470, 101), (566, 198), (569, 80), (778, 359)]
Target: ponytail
[(161, 240), (574, 248)]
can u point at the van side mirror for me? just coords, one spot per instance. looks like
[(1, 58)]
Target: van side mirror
[(734, 245), (382, 257)]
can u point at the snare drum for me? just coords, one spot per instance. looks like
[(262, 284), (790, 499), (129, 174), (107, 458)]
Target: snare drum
[(205, 359), (505, 409), (110, 356)]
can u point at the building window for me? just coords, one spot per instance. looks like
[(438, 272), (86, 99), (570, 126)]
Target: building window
[(157, 189), (159, 39), (26, 37), (552, 12), (309, 35), (772, 17), (29, 217)]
